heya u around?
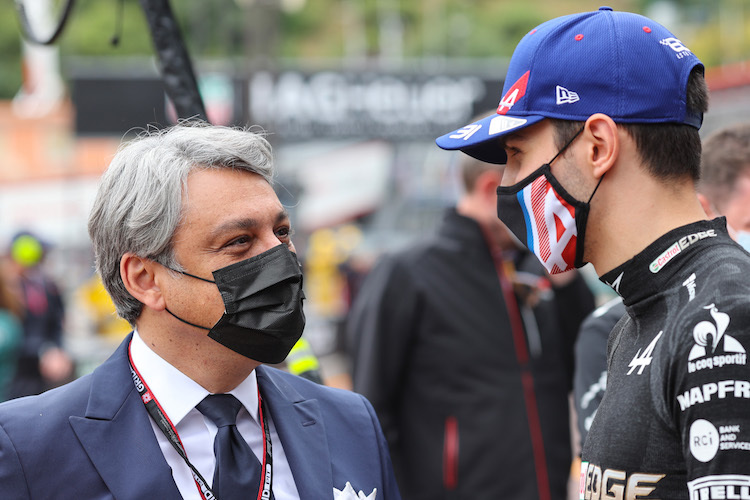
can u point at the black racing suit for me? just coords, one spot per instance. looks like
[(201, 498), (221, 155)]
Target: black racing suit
[(675, 419), (590, 378)]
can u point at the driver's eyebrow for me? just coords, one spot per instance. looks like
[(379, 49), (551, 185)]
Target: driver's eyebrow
[(514, 137)]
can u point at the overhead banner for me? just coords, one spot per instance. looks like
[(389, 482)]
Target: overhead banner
[(296, 106)]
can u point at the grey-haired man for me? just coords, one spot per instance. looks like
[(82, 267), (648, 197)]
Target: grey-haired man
[(195, 249)]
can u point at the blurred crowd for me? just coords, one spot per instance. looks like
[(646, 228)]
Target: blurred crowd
[(32, 322), (34, 313)]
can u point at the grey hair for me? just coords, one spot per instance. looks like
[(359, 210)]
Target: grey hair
[(138, 206)]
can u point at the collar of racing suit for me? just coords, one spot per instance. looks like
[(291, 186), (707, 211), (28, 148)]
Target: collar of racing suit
[(664, 260)]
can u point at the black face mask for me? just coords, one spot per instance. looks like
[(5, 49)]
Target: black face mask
[(262, 295)]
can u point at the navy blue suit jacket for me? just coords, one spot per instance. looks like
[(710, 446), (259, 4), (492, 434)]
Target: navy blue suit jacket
[(92, 439)]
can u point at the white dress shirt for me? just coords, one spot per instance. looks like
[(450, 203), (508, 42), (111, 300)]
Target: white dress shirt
[(177, 395)]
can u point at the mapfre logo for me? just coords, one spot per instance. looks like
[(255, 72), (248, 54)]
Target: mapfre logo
[(713, 348), (723, 389), (677, 46), (516, 92)]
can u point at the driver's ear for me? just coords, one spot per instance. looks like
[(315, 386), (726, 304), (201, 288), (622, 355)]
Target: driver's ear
[(603, 143)]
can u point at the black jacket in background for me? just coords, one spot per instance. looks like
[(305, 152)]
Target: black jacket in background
[(434, 352)]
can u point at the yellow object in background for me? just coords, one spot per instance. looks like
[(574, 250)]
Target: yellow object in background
[(303, 362), (324, 282), (103, 315), (26, 250)]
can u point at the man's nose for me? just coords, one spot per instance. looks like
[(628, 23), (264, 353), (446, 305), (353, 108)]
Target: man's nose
[(270, 241)]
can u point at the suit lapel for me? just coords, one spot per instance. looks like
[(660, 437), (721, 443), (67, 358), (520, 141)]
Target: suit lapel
[(117, 435), (302, 432)]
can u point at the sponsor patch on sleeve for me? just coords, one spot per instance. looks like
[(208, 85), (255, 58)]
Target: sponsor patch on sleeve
[(707, 439), (720, 487)]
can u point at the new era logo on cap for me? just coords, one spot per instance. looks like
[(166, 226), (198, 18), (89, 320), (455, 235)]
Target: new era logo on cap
[(565, 96)]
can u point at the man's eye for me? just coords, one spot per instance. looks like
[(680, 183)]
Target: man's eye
[(242, 240), (511, 151), (284, 232)]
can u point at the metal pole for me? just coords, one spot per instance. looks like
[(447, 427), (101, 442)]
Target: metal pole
[(176, 68)]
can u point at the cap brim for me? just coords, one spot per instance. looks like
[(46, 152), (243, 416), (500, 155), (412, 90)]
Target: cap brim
[(479, 139)]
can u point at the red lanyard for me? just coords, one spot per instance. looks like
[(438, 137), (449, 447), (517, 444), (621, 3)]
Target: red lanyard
[(166, 426)]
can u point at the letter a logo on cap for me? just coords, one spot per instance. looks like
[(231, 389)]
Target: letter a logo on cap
[(517, 91)]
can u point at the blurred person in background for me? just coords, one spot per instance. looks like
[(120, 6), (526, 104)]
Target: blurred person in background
[(724, 187), (42, 361), (11, 331), (464, 345), (723, 190)]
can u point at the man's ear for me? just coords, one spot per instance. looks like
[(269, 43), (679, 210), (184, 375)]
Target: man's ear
[(487, 183), (707, 206), (139, 277), (603, 139)]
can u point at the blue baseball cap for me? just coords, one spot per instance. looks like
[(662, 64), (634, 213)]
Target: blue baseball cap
[(621, 64)]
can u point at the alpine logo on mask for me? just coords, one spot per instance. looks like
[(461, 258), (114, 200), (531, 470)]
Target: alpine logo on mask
[(550, 224), (546, 218)]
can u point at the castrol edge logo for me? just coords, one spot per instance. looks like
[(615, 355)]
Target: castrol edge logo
[(677, 247)]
